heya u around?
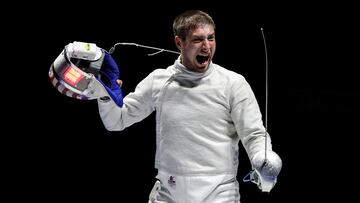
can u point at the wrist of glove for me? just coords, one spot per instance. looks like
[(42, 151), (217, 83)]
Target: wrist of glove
[(266, 168), (107, 98)]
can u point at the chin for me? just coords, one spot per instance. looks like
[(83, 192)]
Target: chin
[(202, 69)]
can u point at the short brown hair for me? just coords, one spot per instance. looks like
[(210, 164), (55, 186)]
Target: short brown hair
[(190, 20)]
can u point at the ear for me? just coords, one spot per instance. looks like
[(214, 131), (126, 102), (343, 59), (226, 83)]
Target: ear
[(178, 42)]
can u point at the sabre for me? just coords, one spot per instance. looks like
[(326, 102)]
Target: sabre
[(266, 92)]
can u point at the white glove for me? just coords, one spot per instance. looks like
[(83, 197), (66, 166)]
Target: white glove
[(265, 170)]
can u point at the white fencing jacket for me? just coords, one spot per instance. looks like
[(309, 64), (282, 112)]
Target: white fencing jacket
[(200, 118)]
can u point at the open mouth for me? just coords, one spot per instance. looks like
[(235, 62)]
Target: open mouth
[(202, 59)]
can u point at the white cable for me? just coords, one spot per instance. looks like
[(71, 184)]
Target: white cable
[(143, 46)]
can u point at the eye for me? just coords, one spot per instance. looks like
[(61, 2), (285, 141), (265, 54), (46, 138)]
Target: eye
[(197, 40), (211, 38)]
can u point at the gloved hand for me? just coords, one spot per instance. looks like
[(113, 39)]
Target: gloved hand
[(109, 77), (265, 170)]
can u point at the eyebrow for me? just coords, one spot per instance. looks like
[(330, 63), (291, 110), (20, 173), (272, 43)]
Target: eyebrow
[(202, 37)]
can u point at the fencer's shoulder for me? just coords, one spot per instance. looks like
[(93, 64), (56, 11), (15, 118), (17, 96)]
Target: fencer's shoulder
[(228, 73), (160, 73)]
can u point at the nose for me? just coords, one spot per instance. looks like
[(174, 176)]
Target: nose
[(206, 45)]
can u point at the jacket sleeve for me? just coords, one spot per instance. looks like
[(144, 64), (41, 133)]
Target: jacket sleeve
[(247, 117), (137, 106)]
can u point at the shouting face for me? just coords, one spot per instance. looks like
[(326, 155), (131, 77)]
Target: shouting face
[(198, 49)]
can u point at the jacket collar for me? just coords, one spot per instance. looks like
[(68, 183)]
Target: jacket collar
[(181, 72)]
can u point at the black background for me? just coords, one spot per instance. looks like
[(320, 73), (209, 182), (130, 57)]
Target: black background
[(58, 149)]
